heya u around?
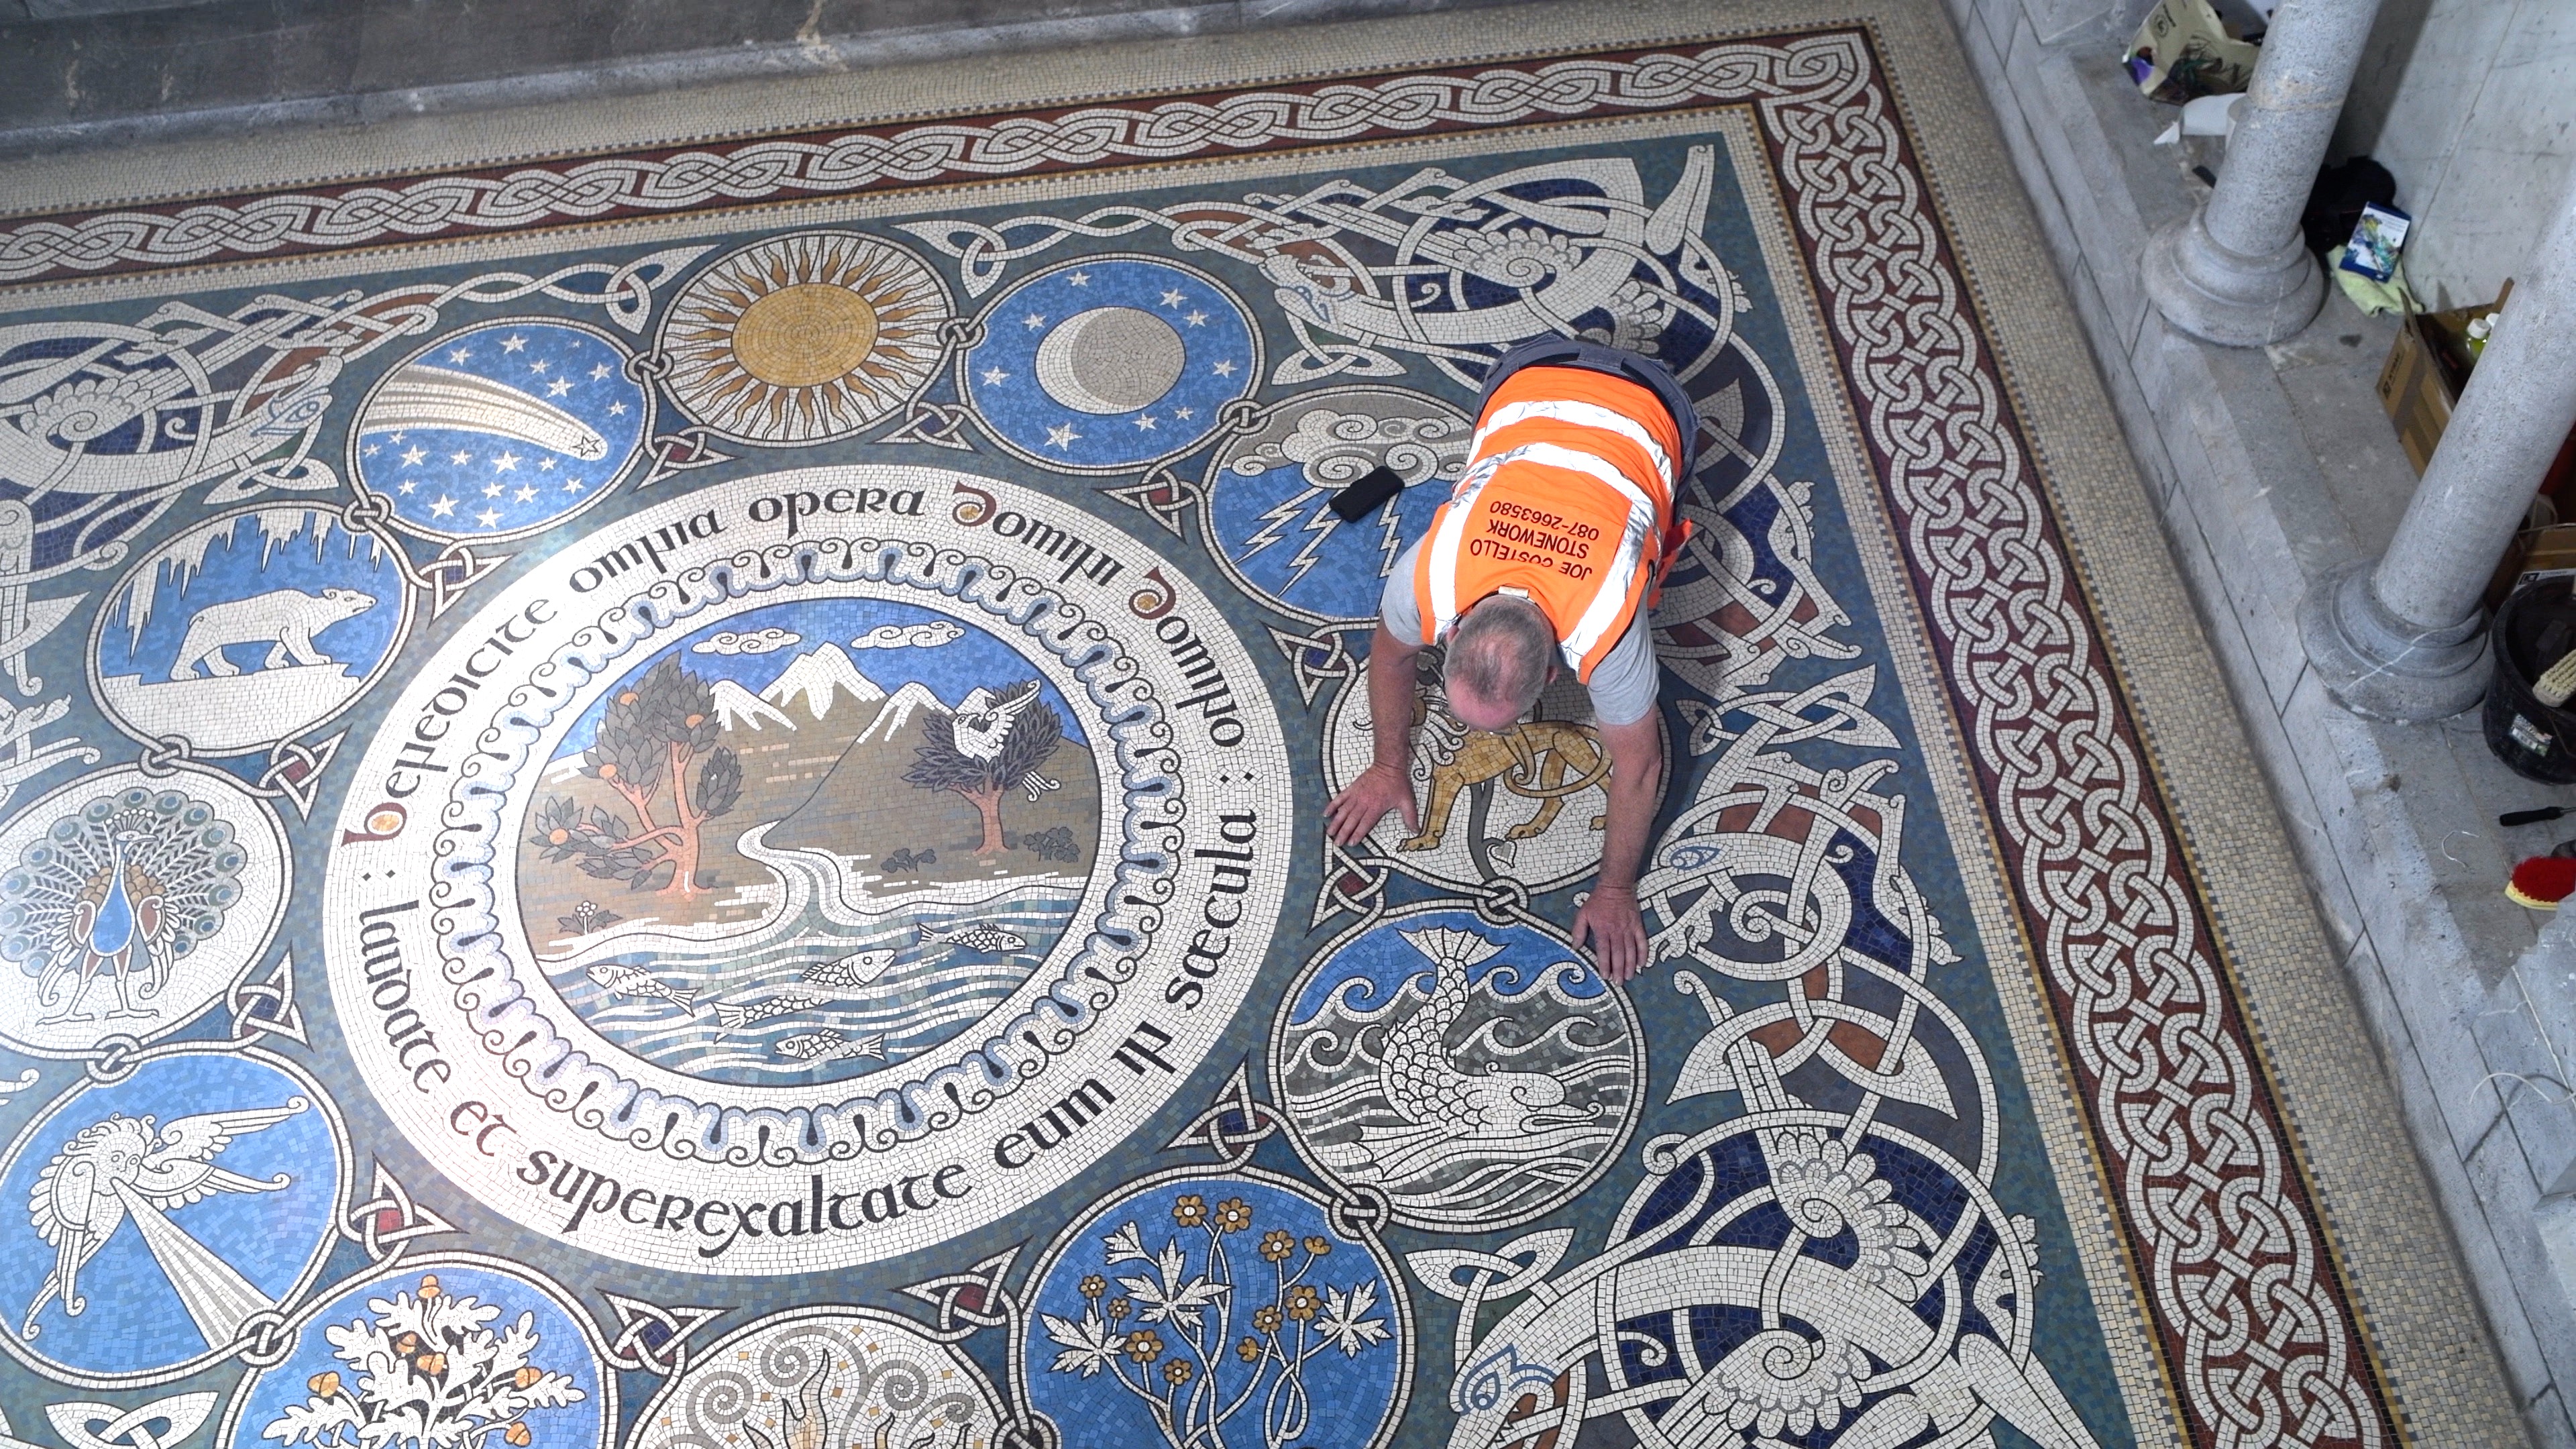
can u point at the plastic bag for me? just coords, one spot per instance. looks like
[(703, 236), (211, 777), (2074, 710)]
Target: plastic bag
[(2184, 50)]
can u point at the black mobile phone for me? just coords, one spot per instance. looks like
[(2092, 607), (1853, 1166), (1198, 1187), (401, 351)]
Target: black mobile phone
[(1362, 498)]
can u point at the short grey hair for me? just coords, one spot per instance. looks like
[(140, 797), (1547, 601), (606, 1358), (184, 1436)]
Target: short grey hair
[(1501, 649)]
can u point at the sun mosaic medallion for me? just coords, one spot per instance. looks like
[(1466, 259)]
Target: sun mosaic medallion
[(803, 863), (804, 338)]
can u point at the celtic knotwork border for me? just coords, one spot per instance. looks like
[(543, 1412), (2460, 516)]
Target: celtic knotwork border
[(151, 236), (2222, 1220)]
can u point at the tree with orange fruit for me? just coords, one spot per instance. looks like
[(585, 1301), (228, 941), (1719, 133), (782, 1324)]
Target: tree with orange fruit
[(652, 732)]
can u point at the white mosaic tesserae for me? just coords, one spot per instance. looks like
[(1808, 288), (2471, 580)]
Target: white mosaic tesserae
[(706, 827)]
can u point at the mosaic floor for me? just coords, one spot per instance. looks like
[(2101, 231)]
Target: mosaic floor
[(704, 828)]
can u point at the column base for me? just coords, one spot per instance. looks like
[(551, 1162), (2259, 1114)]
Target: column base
[(2377, 665), (2227, 297)]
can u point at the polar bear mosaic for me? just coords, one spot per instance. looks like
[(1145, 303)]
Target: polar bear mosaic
[(249, 629), (284, 619)]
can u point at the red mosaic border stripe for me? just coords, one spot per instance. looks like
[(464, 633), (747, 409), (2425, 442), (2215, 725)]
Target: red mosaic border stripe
[(714, 176), (2255, 1324)]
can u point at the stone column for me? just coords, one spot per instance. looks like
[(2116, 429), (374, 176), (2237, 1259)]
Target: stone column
[(2236, 271), (2403, 638)]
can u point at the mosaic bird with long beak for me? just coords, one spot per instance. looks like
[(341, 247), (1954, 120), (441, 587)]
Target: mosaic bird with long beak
[(984, 720)]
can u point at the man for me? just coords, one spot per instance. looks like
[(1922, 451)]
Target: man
[(1548, 553)]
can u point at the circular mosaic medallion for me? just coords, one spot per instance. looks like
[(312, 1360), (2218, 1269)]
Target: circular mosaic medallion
[(1216, 1309), (501, 429), (1477, 1075), (250, 628), (131, 903), (166, 1214), (1263, 504), (805, 338), (454, 1350), (1526, 802), (827, 1376), (820, 832), (1109, 364), (796, 924)]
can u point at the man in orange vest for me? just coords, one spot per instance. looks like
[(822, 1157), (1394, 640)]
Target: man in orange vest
[(1548, 553)]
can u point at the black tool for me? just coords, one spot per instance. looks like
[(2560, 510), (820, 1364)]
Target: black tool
[(2540, 816), (1362, 498)]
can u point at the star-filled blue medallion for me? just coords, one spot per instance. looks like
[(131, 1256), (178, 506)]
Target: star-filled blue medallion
[(501, 429), (1110, 363)]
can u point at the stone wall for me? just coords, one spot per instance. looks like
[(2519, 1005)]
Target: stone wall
[(2467, 103), (75, 74)]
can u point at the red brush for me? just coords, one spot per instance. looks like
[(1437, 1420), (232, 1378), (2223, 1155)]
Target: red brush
[(2543, 881)]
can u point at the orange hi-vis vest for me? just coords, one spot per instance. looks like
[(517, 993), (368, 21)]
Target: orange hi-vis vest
[(1567, 500)]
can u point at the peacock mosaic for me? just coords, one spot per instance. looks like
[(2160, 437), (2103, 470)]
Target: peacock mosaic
[(704, 832)]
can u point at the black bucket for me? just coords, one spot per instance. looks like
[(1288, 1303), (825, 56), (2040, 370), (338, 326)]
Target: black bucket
[(2534, 630)]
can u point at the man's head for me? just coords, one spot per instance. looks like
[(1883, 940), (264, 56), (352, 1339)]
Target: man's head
[(1501, 654)]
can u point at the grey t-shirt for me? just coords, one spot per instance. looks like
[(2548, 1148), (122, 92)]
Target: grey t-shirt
[(1623, 685)]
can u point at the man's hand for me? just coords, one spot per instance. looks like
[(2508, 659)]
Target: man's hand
[(1609, 920), (1354, 812), (1384, 785), (1610, 928)]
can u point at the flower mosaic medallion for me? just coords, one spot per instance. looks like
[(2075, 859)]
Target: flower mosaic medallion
[(1214, 1310), (446, 1353)]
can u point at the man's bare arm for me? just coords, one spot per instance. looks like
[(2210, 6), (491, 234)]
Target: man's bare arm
[(1636, 788), (1609, 919), (1387, 784)]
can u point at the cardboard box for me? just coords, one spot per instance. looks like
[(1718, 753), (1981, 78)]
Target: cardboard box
[(2535, 553), (2426, 369), (2547, 552), (2420, 385)]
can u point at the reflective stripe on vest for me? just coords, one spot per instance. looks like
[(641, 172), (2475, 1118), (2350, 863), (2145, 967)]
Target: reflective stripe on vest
[(1616, 580), (1535, 434), (1582, 415)]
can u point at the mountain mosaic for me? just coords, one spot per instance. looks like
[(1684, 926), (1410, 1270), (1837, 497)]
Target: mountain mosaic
[(755, 861)]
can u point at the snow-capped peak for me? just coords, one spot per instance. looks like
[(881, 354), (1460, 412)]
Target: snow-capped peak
[(738, 707), (898, 710), (819, 676)]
